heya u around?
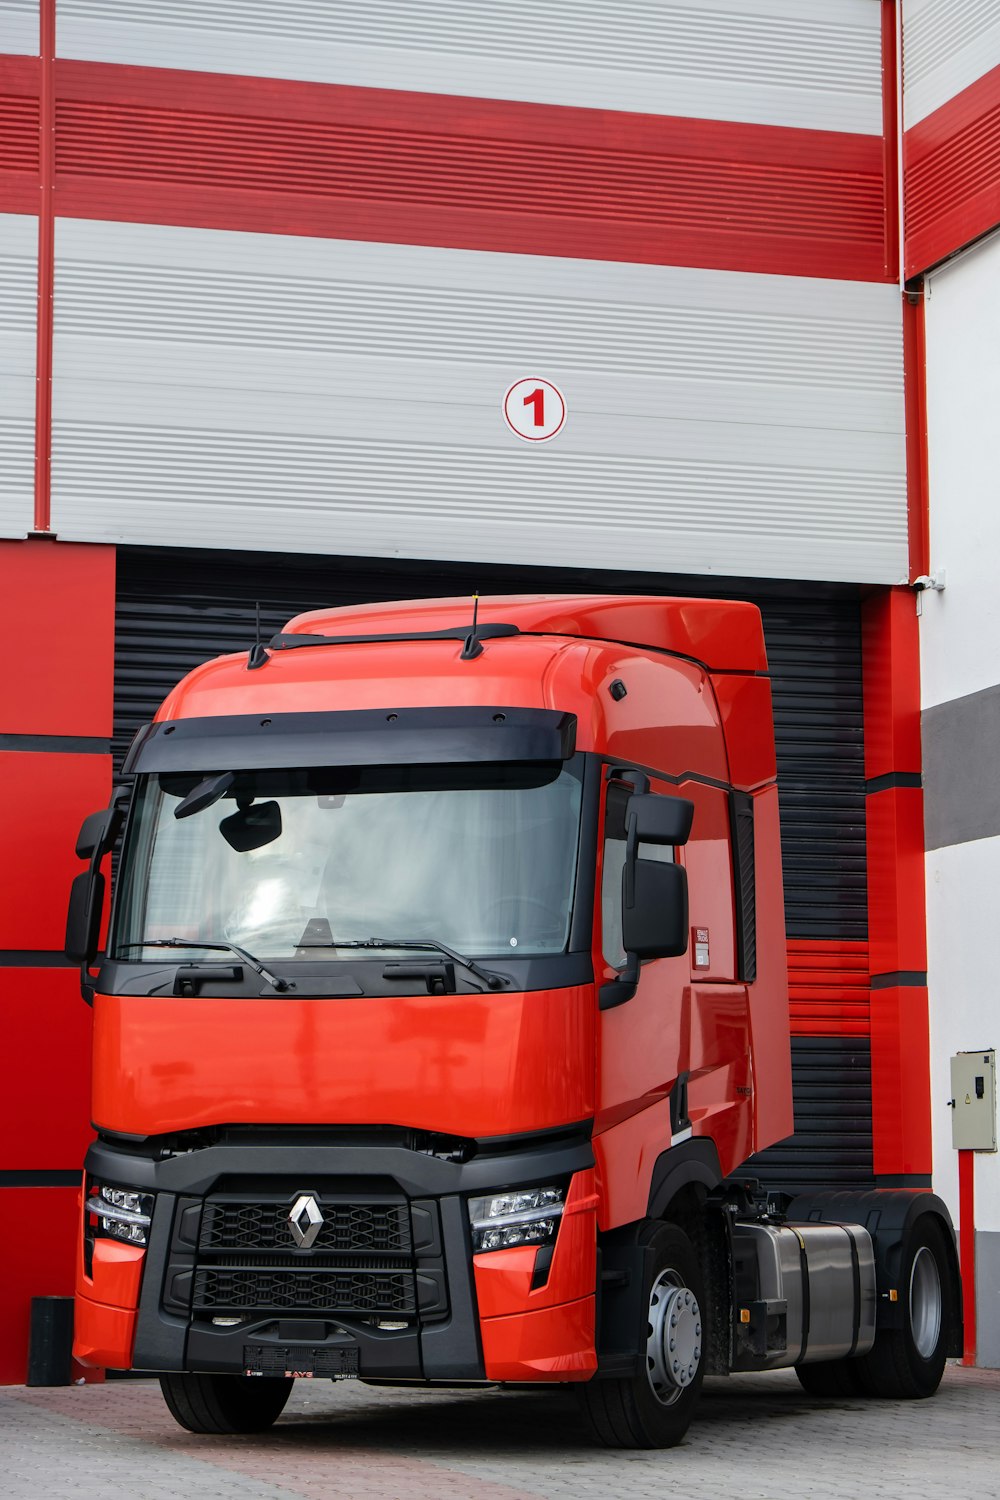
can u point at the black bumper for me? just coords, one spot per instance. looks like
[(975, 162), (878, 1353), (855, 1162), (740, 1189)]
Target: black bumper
[(438, 1339)]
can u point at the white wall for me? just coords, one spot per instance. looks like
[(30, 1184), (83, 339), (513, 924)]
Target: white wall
[(946, 47), (960, 635), (799, 63), (960, 655), (963, 942)]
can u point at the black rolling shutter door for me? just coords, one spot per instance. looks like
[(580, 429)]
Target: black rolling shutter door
[(178, 608), (814, 655)]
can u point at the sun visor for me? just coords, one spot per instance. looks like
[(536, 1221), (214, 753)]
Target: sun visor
[(405, 736)]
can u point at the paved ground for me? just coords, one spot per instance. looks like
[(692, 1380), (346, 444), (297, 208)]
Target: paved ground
[(756, 1438)]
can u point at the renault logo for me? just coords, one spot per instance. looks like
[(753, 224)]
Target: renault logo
[(305, 1221)]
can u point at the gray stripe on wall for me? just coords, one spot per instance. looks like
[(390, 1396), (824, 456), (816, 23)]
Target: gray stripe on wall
[(988, 1300), (961, 741)]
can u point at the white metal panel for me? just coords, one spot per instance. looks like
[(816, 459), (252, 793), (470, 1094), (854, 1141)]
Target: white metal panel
[(779, 62), (18, 303), (947, 44), (963, 944), (19, 26), (220, 389), (960, 628)]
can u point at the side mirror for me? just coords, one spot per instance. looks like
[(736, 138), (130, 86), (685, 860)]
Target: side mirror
[(655, 924), (86, 897), (91, 835), (652, 819), (98, 832), (83, 920)]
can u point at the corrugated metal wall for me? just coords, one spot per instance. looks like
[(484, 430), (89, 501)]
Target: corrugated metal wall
[(947, 45), (18, 293), (951, 119), (783, 62), (222, 387), (176, 609)]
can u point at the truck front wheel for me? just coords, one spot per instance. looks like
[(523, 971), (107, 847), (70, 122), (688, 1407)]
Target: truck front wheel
[(653, 1408), (225, 1403)]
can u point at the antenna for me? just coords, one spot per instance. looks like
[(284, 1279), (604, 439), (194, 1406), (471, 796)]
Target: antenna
[(473, 645), (258, 656)]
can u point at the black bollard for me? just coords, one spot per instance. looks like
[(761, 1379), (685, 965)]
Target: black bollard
[(50, 1341)]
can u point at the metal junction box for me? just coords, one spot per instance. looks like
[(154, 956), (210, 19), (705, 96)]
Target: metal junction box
[(974, 1097)]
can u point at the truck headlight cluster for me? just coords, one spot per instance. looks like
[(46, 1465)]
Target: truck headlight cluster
[(122, 1213), (527, 1216)]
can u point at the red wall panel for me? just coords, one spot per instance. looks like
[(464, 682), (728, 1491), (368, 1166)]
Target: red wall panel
[(44, 1070), (46, 798), (951, 174), (897, 931), (59, 598), (890, 646), (37, 1259), (901, 1104), (165, 146), (19, 79)]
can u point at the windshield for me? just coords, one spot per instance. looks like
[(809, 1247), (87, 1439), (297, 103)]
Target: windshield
[(290, 863)]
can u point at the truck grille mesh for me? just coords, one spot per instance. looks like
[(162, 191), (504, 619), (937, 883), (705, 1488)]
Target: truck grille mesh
[(269, 1288), (361, 1262), (347, 1227)]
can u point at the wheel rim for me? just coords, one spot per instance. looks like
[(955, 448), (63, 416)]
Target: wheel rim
[(673, 1338), (925, 1302)]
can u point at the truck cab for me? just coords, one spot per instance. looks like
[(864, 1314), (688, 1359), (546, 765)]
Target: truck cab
[(442, 1010)]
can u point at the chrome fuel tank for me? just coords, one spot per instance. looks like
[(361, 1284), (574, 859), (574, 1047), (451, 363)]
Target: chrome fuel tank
[(803, 1292)]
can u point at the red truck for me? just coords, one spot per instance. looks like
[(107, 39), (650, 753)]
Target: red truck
[(442, 1012)]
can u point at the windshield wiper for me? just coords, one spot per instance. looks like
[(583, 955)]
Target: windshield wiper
[(490, 978), (274, 980)]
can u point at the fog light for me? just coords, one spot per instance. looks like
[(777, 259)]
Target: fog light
[(122, 1213), (528, 1216)]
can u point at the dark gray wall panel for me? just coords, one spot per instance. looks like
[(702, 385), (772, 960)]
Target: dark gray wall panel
[(961, 743)]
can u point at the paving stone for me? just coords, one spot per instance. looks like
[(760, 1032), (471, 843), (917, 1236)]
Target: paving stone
[(756, 1437)]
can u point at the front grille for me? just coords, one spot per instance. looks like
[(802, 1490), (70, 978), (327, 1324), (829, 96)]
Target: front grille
[(347, 1227), (274, 1289), (244, 1257)]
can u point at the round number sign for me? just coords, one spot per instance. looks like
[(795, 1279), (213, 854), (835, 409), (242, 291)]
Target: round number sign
[(534, 409)]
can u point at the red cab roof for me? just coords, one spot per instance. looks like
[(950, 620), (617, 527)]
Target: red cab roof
[(726, 636)]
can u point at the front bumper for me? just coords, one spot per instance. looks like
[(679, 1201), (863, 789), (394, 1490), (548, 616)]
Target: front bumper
[(429, 1313)]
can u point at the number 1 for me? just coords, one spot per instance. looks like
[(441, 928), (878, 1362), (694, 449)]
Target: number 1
[(537, 400)]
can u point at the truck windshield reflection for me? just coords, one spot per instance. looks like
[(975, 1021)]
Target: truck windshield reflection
[(290, 863)]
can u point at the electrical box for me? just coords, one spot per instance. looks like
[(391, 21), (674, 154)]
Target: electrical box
[(974, 1101)]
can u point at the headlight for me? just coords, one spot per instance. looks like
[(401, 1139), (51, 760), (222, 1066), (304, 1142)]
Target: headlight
[(122, 1213), (526, 1216)]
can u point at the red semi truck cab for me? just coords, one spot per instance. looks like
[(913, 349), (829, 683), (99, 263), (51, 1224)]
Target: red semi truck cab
[(444, 994)]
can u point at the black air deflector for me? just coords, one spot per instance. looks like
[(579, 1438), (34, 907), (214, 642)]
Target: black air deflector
[(405, 736)]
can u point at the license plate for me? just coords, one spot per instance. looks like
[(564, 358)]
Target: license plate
[(303, 1361)]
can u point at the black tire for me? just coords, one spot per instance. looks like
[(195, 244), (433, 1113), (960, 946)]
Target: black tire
[(651, 1410), (225, 1403), (831, 1377), (906, 1364)]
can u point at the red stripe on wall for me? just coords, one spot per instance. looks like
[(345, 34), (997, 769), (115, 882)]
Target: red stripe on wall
[(897, 932), (164, 146), (951, 164), (828, 988), (918, 520), (19, 82)]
